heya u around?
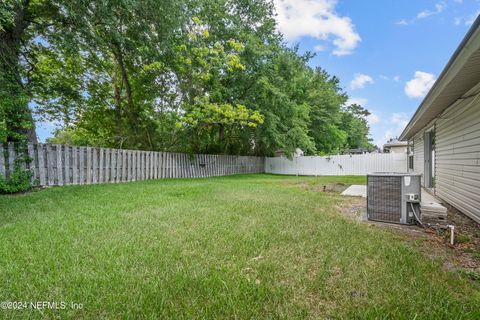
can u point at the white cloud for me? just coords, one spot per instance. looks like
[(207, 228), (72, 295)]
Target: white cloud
[(373, 118), (393, 128), (466, 20), (360, 80), (420, 84), (396, 78), (319, 48), (439, 7), (400, 119), (471, 19), (317, 19)]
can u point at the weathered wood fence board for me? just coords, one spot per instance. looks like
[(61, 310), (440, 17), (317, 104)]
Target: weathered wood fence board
[(57, 165)]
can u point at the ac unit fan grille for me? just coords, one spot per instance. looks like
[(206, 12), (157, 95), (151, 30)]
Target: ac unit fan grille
[(384, 198)]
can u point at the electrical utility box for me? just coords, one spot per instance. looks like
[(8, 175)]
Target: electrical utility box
[(393, 197)]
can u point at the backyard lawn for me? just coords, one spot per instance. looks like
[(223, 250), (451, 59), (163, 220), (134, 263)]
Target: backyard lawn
[(245, 247)]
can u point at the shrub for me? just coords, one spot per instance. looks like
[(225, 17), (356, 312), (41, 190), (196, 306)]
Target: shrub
[(19, 181)]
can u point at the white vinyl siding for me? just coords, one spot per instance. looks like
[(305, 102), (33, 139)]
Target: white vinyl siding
[(458, 157), (418, 152)]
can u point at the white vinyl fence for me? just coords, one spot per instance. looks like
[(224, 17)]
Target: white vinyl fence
[(358, 164), (56, 165)]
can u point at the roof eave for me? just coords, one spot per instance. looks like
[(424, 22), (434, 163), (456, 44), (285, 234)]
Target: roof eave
[(457, 58)]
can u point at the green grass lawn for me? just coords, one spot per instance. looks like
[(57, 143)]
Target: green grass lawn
[(245, 247)]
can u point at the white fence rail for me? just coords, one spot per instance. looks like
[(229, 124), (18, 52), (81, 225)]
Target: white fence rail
[(359, 164), (56, 165)]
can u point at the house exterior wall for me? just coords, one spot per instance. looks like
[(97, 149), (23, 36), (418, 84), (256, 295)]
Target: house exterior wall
[(398, 149), (457, 157), (418, 152)]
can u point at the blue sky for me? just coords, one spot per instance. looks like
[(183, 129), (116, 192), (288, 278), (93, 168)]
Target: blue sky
[(387, 53)]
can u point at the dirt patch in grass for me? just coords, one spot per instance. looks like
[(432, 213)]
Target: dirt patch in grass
[(337, 187), (463, 256)]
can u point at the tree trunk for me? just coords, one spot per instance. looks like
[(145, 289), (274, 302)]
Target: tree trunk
[(14, 97), (117, 96), (132, 111)]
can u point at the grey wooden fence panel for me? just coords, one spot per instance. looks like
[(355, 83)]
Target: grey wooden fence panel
[(142, 165), (183, 172), (31, 164), (167, 165), (41, 164), (123, 166), (58, 149), (150, 165), (154, 165), (113, 165), (173, 165), (145, 167), (162, 165), (106, 170), (94, 162), (185, 165), (81, 165), (132, 168), (101, 165), (128, 154), (49, 163), (159, 165), (119, 166), (63, 165), (75, 165), (132, 165), (89, 165), (137, 165), (67, 174)]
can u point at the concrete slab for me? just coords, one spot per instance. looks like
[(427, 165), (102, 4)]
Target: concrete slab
[(356, 190), (429, 198), (361, 191)]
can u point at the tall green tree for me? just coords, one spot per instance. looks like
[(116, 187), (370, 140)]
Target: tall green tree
[(21, 21), (185, 76)]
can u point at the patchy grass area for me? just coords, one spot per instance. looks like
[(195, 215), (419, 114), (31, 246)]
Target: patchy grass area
[(251, 246)]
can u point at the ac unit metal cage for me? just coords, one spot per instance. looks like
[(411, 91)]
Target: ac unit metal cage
[(393, 197)]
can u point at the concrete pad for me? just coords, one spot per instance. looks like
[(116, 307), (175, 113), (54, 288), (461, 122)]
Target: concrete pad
[(356, 190), (429, 198)]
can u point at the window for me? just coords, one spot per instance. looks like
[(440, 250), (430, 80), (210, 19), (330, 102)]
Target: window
[(410, 156)]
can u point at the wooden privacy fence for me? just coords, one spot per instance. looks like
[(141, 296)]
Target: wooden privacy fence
[(56, 165)]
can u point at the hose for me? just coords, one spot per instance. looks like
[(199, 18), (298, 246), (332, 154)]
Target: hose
[(415, 215)]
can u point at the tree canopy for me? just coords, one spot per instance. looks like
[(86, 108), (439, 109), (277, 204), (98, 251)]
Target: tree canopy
[(204, 76)]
